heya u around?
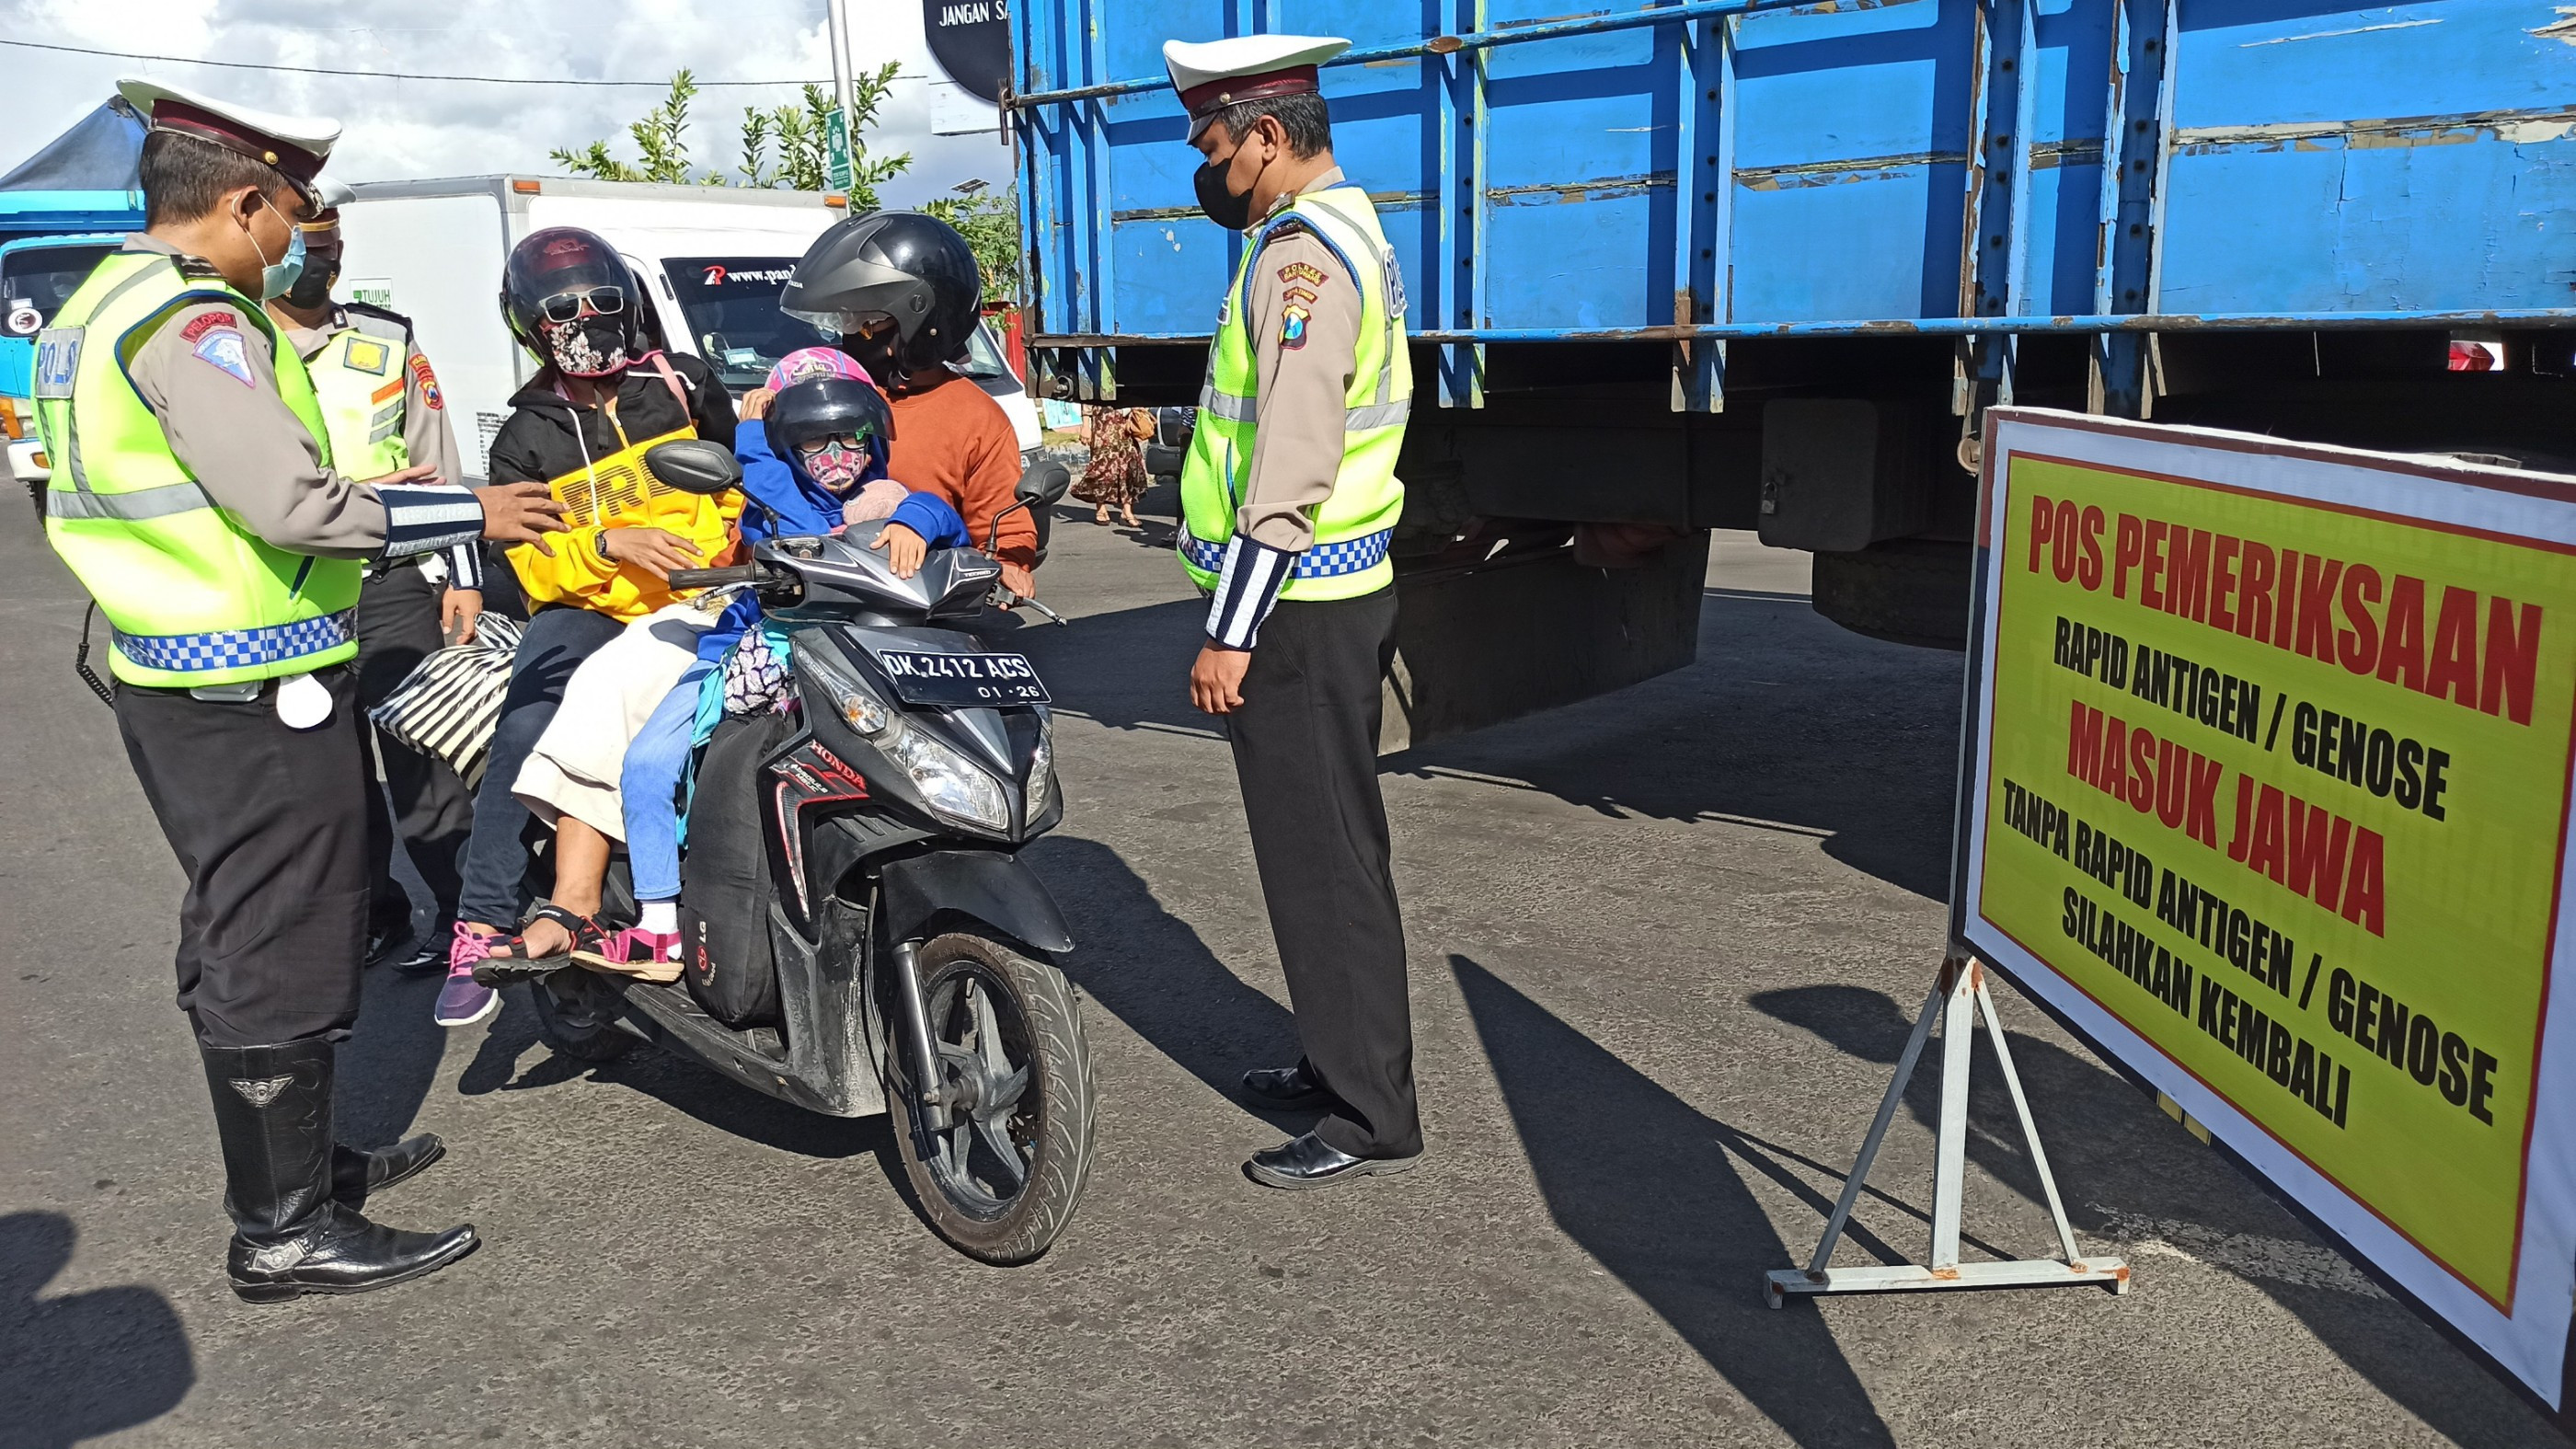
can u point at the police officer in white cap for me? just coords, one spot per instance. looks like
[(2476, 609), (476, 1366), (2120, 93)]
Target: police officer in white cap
[(382, 408), (196, 496), (1289, 500)]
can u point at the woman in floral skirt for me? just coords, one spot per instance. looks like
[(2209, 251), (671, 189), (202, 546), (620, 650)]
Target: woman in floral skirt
[(1115, 477)]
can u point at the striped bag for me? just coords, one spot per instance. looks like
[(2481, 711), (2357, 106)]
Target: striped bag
[(451, 704)]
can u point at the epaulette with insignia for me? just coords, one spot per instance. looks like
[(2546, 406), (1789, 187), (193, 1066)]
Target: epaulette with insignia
[(370, 309)]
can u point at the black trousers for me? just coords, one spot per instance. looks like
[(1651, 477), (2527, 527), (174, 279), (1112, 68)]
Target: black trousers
[(270, 825), (1305, 752), (397, 628)]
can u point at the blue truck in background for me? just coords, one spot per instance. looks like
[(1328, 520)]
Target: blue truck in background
[(61, 210), (1757, 264)]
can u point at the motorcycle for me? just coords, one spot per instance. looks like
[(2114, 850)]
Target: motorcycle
[(910, 948)]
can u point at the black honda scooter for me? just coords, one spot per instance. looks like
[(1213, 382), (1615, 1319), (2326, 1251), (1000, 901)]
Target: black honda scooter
[(859, 933)]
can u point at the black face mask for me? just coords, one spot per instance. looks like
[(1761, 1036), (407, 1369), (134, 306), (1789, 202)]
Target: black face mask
[(312, 288), (881, 355), (1228, 209)]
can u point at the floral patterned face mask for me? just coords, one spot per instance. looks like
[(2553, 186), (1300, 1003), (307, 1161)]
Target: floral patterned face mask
[(588, 347), (836, 462)]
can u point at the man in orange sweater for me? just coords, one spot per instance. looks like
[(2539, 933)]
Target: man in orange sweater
[(952, 439), (901, 291)]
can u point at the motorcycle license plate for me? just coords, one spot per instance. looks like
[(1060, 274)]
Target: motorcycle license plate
[(954, 681)]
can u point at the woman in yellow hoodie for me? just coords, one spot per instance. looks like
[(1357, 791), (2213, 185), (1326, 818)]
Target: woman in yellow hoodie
[(603, 395)]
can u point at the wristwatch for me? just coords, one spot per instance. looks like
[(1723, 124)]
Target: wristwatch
[(599, 545)]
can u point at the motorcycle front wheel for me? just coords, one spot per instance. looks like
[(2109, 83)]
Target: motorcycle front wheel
[(1010, 1150)]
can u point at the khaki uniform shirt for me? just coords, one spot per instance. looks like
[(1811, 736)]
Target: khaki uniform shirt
[(236, 436), (1297, 415), (428, 435)]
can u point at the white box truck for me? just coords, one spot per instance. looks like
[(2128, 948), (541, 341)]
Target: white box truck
[(714, 258)]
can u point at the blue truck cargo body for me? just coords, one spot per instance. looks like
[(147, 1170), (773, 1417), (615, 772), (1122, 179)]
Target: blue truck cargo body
[(1753, 168), (1758, 264)]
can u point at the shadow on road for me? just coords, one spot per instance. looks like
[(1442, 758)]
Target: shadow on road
[(674, 1081), (80, 1365), (1785, 720), (391, 1060), (1149, 968), (2109, 1145), (1643, 1182)]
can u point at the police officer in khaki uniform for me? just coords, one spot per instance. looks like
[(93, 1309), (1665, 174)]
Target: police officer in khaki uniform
[(1289, 500), (195, 496), (383, 411)]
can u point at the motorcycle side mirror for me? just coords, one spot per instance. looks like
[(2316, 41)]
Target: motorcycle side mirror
[(1045, 483), (694, 465)]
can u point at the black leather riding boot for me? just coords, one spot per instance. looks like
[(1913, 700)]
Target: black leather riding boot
[(290, 1235)]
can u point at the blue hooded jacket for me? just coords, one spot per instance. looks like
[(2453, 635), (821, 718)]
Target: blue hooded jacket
[(781, 501)]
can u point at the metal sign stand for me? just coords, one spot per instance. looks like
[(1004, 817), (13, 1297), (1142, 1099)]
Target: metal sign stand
[(1959, 997)]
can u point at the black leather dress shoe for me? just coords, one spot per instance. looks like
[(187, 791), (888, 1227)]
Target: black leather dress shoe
[(341, 1252), (356, 1175), (1309, 1161), (427, 956), (1284, 1087)]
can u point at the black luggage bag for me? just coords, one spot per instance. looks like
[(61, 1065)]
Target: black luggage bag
[(725, 877)]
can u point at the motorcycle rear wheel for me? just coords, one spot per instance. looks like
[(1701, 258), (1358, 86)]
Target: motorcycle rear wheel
[(1003, 1179)]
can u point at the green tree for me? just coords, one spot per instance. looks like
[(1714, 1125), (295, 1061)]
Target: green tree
[(800, 133), (660, 138), (786, 146), (990, 222)]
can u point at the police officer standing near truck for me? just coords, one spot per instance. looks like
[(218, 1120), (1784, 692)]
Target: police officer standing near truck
[(195, 497), (1289, 500), (382, 409)]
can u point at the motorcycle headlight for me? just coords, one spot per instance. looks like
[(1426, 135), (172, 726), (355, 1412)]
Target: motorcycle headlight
[(947, 781), (948, 784), (1042, 770), (858, 706)]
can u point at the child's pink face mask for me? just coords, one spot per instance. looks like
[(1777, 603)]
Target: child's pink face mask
[(836, 463)]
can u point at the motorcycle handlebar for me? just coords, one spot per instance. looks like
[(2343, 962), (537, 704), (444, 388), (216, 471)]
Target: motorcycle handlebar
[(750, 573)]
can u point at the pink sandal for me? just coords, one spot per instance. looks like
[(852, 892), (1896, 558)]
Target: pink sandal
[(646, 955)]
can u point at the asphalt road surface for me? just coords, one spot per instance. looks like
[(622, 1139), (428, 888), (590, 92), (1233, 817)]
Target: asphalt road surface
[(1664, 946)]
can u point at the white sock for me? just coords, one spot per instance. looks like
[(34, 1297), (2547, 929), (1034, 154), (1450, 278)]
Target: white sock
[(662, 918)]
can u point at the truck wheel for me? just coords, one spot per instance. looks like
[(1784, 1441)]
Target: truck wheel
[(1001, 1180), (1906, 591)]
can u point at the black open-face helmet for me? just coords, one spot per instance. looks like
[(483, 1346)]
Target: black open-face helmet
[(897, 289), (824, 407), (565, 276)]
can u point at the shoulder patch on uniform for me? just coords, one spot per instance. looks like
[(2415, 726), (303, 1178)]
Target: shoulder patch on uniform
[(1298, 294), (205, 322), (224, 350), (1306, 272), (1292, 325), (428, 381), (366, 355)]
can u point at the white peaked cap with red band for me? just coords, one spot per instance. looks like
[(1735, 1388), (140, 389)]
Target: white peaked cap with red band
[(295, 145), (1214, 74)]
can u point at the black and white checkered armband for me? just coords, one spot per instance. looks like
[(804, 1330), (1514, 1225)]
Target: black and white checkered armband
[(421, 517), (464, 565), (1247, 585)]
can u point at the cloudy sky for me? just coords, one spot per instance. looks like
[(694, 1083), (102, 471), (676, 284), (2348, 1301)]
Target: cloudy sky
[(414, 128)]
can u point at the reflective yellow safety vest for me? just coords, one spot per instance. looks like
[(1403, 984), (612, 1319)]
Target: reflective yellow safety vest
[(358, 380), (1354, 526), (194, 597)]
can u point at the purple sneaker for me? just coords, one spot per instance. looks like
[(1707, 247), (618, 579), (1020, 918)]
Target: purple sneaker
[(463, 1001)]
